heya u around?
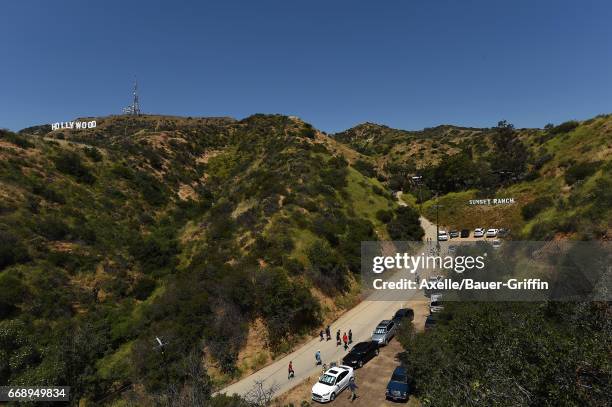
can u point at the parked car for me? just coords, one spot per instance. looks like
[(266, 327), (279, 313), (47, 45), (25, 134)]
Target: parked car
[(465, 233), (479, 232), (496, 243), (434, 279), (492, 232), (398, 388), (442, 236), (430, 322), (384, 332), (331, 383), (435, 303), (453, 234), (403, 314), (360, 354), (503, 232)]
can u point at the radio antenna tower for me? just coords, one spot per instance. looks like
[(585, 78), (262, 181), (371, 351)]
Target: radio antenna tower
[(134, 109)]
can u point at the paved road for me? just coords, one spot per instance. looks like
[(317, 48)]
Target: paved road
[(361, 320)]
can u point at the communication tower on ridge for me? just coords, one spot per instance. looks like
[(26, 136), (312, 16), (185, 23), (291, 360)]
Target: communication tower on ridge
[(134, 108)]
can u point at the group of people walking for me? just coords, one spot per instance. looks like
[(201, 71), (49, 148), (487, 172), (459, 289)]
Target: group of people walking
[(347, 339)]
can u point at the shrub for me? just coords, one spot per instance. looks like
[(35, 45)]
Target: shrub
[(94, 154), (19, 141), (143, 288), (564, 127), (406, 225), (384, 216), (11, 250), (70, 163), (12, 292), (52, 228), (530, 210), (580, 171), (307, 131), (365, 167)]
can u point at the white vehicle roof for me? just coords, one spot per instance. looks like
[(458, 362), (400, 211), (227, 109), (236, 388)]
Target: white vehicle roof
[(442, 232), (436, 297), (336, 370)]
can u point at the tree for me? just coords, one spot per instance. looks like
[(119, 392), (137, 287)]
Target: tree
[(406, 225), (510, 156)]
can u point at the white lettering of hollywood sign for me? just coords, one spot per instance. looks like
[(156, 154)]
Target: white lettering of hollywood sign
[(73, 125), (494, 201)]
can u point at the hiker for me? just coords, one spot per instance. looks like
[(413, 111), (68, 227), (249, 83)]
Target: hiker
[(324, 368), (338, 338), (345, 340), (350, 336), (353, 386), (321, 335), (318, 357), (290, 371), (328, 333)]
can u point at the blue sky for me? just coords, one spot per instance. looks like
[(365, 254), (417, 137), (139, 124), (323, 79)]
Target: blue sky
[(407, 64)]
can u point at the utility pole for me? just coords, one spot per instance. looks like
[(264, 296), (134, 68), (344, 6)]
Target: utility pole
[(160, 345), (437, 206)]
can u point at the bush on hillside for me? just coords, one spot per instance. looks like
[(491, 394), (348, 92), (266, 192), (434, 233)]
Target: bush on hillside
[(70, 163), (581, 171), (12, 251), (365, 167), (530, 210), (406, 225), (384, 216), (565, 127)]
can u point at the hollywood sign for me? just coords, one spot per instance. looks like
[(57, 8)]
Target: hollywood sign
[(73, 125)]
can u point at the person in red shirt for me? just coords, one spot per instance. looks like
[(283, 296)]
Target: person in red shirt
[(345, 340), (291, 372)]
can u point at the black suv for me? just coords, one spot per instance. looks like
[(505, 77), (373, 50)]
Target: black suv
[(401, 314), (465, 233), (360, 354)]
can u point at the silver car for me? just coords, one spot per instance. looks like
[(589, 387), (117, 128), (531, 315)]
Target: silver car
[(384, 332)]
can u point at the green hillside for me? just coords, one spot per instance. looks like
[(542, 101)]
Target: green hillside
[(188, 229), (560, 176), (505, 353)]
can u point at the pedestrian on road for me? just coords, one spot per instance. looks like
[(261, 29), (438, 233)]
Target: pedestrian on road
[(318, 357), (353, 386), (338, 338), (290, 371), (328, 333), (345, 340), (321, 335), (350, 336)]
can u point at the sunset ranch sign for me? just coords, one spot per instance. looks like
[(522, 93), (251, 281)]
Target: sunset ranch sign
[(73, 125), (489, 201)]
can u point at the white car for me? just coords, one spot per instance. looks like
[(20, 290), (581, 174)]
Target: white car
[(442, 236), (479, 232), (435, 304), (331, 383), (491, 232)]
